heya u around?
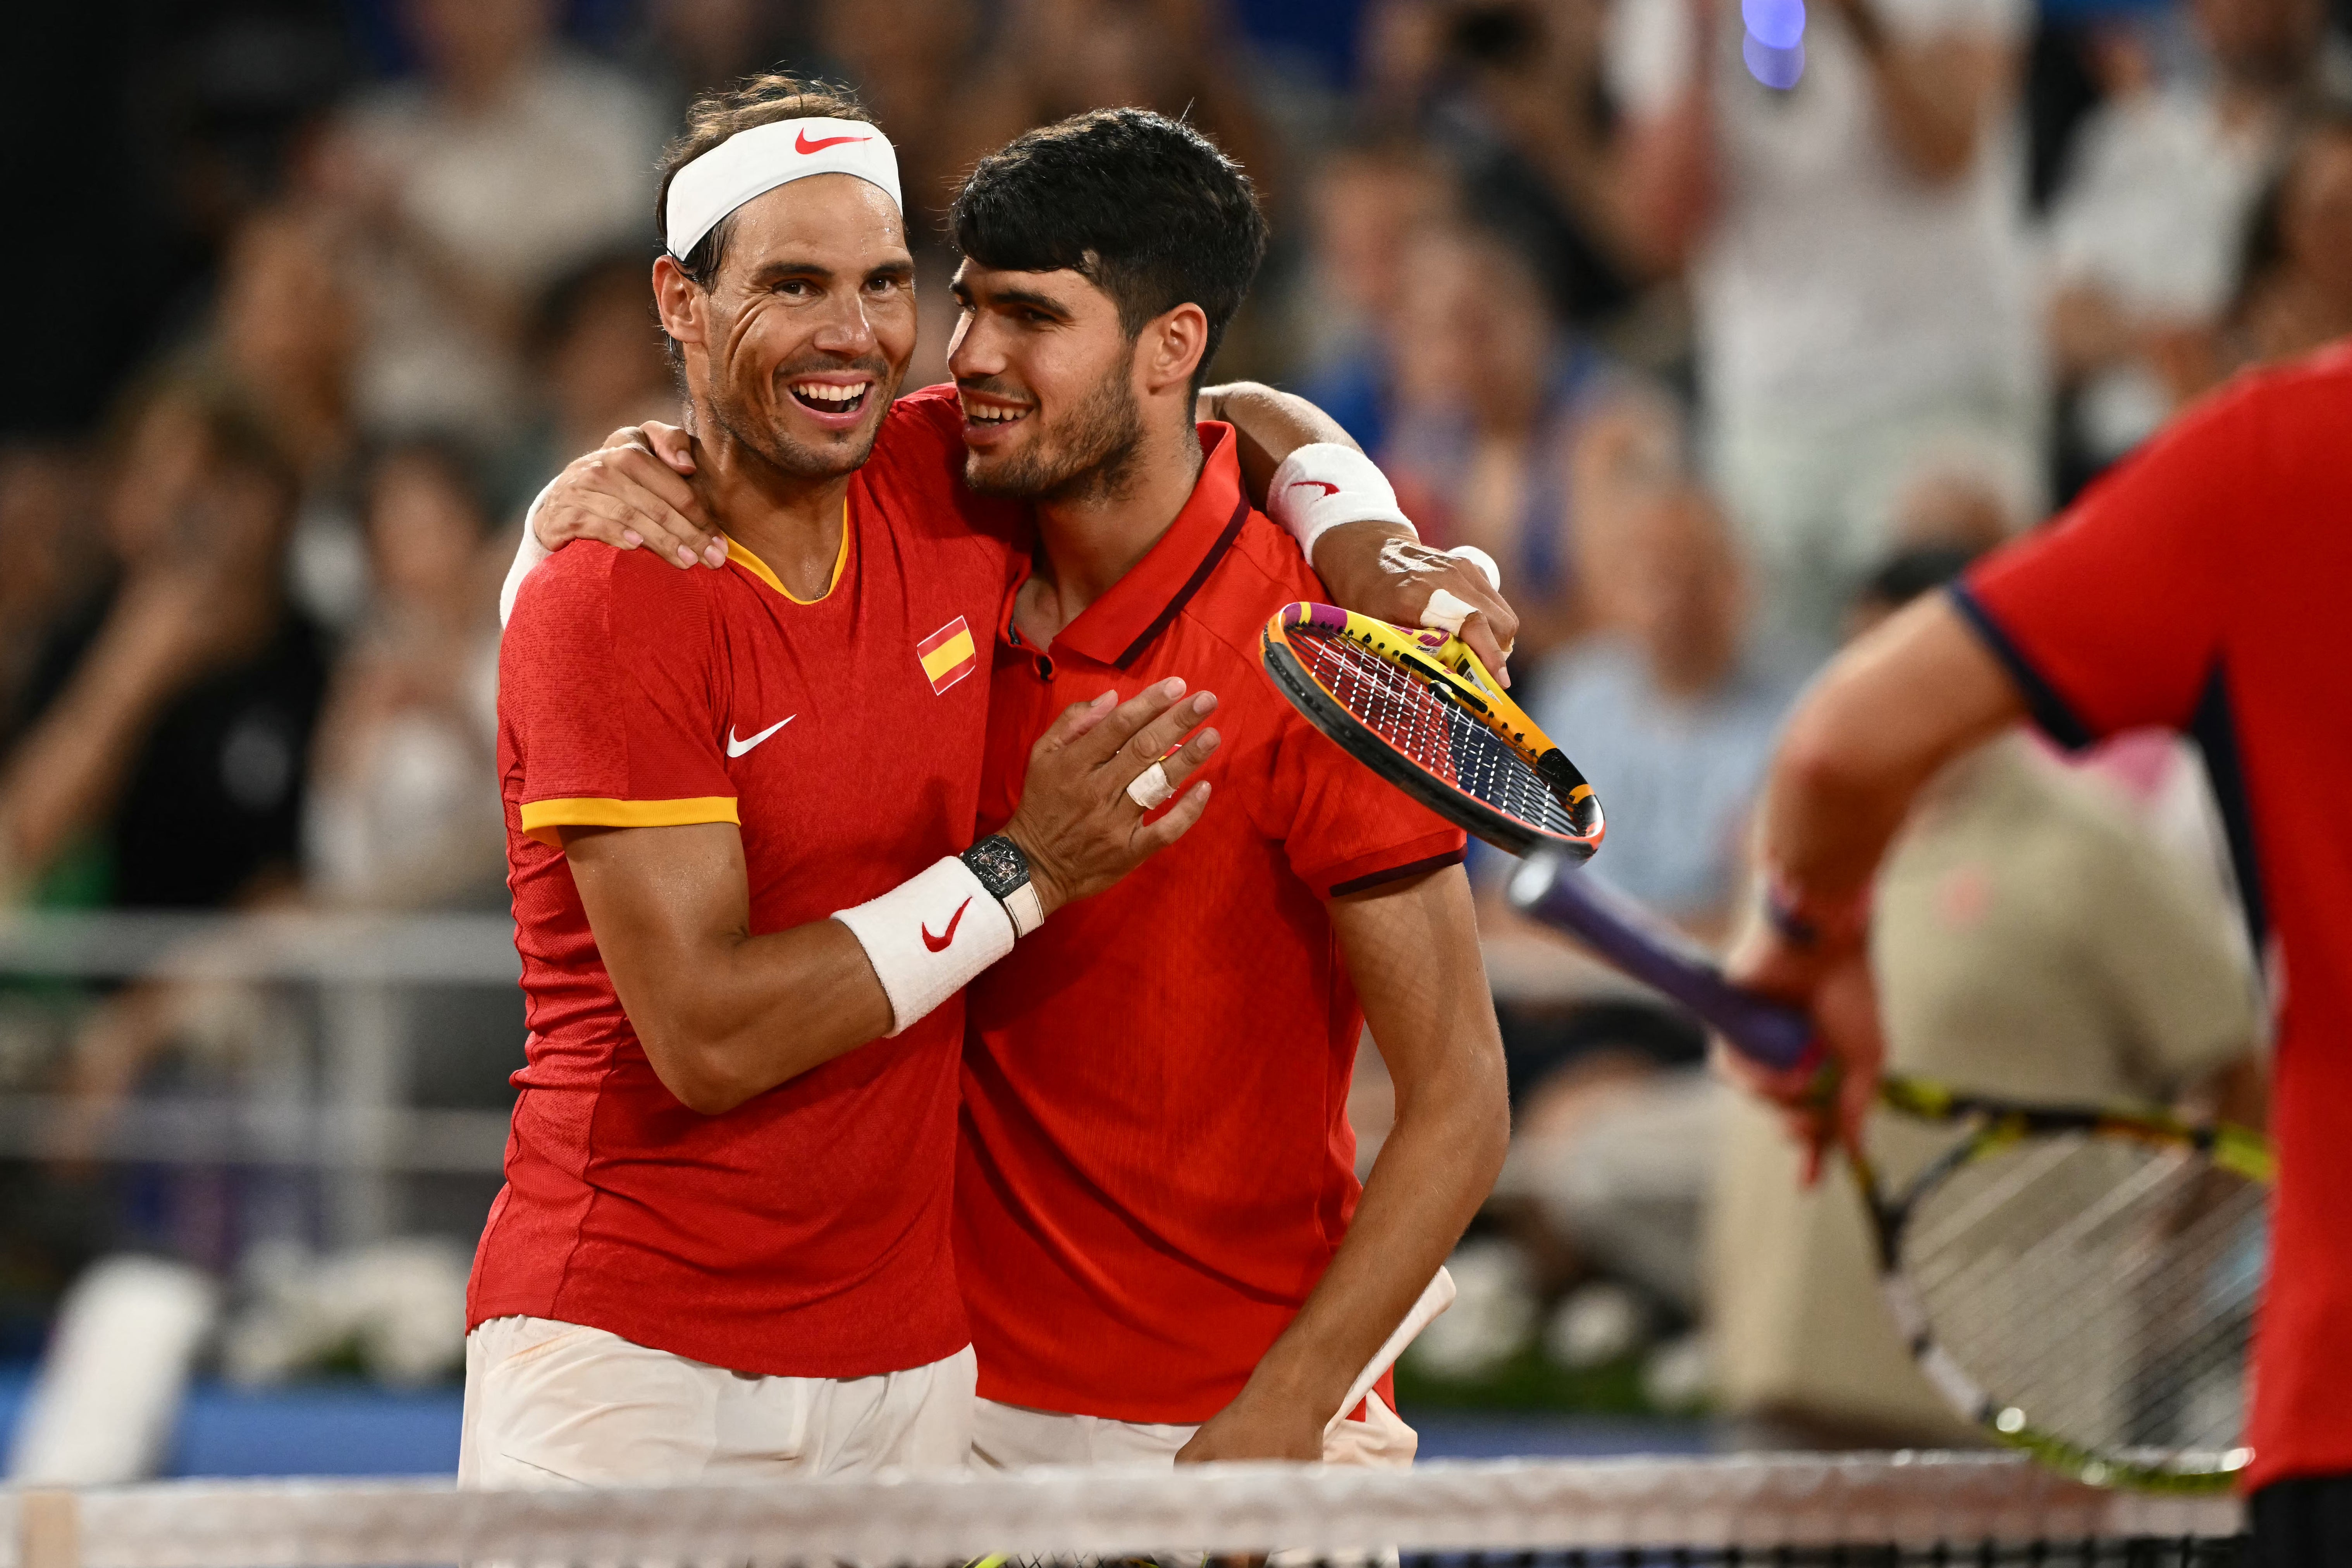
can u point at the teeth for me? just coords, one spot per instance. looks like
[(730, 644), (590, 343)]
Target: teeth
[(824, 392), (996, 415)]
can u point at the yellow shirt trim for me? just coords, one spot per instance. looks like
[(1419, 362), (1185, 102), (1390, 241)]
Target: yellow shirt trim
[(541, 818), (955, 650), (759, 568)]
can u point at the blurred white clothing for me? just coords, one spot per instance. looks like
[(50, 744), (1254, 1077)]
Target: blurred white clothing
[(1013, 1437), (2152, 213), (551, 1404)]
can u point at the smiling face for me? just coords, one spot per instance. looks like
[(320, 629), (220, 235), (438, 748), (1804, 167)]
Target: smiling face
[(797, 348), (1047, 377)]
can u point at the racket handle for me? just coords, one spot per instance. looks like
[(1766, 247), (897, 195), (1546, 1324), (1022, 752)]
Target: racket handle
[(1638, 942)]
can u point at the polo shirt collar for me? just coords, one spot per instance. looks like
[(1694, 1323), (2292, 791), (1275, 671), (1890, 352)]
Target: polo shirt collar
[(1116, 629)]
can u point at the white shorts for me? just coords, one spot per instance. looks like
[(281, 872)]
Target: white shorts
[(551, 1404), (1010, 1437)]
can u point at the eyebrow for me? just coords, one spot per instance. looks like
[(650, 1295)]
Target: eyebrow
[(1028, 296)]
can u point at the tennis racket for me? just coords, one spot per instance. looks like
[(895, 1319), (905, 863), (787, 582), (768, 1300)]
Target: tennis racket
[(1418, 709), (2081, 1282)]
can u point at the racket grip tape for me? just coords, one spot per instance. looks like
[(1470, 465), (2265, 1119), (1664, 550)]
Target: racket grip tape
[(1769, 1033)]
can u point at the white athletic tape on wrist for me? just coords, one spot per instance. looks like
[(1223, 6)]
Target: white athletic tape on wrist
[(528, 556), (1323, 484), (930, 937), (753, 162), (1150, 789)]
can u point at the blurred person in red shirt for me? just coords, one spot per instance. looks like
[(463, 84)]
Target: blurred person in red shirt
[(2196, 587)]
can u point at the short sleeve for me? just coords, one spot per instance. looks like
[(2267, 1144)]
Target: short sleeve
[(607, 680), (1647, 53), (2111, 618), (1345, 829)]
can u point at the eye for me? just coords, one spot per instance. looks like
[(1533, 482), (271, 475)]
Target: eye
[(794, 288)]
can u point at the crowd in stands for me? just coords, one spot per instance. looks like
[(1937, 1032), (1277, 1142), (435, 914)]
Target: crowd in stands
[(1717, 346)]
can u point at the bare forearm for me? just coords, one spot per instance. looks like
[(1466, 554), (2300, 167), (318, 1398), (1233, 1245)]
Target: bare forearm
[(69, 769), (1269, 427), (1883, 719), (1669, 178), (761, 1011), (1933, 96)]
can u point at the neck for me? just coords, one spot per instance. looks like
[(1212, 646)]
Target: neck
[(791, 521), (1086, 543)]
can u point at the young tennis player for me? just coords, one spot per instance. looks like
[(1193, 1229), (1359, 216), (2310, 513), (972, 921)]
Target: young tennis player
[(1163, 1247), (720, 1251)]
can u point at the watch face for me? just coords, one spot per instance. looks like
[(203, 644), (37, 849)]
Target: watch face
[(999, 863)]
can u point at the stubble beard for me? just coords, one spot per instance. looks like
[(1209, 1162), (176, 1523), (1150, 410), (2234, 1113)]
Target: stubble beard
[(1092, 456), (744, 426)]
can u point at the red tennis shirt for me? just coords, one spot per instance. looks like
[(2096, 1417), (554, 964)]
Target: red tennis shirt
[(805, 1233), (2203, 587), (1157, 1165)]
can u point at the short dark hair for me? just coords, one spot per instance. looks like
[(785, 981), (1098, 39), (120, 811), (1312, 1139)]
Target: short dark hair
[(714, 117), (1144, 207)]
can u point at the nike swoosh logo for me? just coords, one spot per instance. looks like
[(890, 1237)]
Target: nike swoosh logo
[(1325, 486), (738, 748), (938, 944), (800, 143)]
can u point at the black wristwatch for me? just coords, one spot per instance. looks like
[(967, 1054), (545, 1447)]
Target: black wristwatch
[(1003, 870)]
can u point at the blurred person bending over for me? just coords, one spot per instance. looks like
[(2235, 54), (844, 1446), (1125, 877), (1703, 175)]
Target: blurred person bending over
[(1163, 1246), (725, 751), (2029, 938), (2197, 587), (1858, 261), (2147, 228)]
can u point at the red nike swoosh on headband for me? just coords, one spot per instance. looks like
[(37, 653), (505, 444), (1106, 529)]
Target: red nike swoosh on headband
[(1325, 486), (938, 944), (800, 143)]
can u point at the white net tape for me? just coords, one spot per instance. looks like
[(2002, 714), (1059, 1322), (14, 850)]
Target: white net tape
[(1709, 1505)]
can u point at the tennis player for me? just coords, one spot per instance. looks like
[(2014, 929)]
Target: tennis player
[(747, 892), (2200, 587), (1163, 1247)]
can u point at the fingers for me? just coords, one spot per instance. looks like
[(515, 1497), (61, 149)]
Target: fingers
[(1480, 635), (671, 445), (1152, 837), (1179, 765), (1156, 739), (629, 488), (1127, 720), (1073, 722)]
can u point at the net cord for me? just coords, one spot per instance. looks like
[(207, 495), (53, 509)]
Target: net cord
[(943, 1517)]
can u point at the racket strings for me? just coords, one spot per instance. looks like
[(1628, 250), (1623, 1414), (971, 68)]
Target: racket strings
[(2104, 1289), (1436, 734)]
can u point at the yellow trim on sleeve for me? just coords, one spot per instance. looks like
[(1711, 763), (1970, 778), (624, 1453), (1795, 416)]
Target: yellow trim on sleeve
[(955, 650), (541, 818), (759, 568)]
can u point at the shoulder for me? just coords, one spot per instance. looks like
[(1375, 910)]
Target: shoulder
[(588, 590), (1258, 572), (915, 474)]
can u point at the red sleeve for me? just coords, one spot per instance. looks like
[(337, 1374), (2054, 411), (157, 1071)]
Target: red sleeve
[(607, 679), (1344, 827), (2111, 618)]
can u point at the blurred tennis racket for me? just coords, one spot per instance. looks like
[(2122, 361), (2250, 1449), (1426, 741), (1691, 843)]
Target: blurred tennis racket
[(2079, 1281), (1417, 708)]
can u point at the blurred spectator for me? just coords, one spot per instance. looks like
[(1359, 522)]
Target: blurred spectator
[(1528, 126), (686, 48), (1671, 706), (1858, 260), (1488, 398), (2297, 289), (403, 803), (597, 348), (172, 719), (507, 163), (1365, 203), (2029, 939), (45, 539), (2144, 228)]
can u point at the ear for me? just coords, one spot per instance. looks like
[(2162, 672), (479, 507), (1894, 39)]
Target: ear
[(683, 306), (1170, 348)]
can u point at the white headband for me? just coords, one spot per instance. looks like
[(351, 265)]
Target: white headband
[(752, 162)]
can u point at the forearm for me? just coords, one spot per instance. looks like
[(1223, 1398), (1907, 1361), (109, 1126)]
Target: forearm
[(1933, 98), (1437, 1165), (67, 772), (1268, 425)]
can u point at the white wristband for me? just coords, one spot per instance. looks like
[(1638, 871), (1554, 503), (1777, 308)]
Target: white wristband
[(930, 937), (531, 553), (1325, 483)]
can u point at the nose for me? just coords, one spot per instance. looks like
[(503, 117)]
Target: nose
[(845, 329), (971, 351)]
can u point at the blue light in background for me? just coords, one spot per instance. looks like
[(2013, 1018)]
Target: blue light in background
[(1774, 67), (1774, 23)]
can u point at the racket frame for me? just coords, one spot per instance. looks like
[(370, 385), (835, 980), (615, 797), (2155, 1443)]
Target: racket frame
[(1447, 667)]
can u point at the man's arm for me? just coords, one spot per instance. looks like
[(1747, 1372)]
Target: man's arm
[(1412, 952), (1885, 715), (724, 1015), (1934, 95)]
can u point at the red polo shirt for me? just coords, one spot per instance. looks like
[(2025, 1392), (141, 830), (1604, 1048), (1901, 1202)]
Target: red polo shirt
[(1156, 1163), (2203, 587)]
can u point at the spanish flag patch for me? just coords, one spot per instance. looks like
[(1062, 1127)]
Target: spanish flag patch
[(946, 655)]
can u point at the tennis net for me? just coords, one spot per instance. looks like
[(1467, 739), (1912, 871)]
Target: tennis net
[(1895, 1509)]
